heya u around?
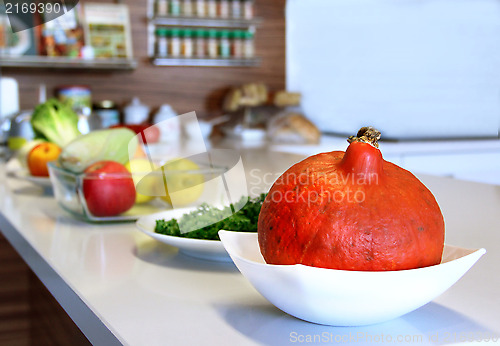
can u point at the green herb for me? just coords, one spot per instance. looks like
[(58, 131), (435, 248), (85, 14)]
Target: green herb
[(206, 221)]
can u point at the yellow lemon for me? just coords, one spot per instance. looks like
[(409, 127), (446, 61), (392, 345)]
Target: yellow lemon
[(182, 184), (140, 169), (15, 143)]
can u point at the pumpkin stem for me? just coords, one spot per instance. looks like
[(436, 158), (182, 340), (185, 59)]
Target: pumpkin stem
[(366, 134)]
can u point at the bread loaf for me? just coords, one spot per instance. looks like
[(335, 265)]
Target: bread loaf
[(291, 127)]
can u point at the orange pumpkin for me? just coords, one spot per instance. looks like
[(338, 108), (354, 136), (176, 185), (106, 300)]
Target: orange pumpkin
[(351, 211)]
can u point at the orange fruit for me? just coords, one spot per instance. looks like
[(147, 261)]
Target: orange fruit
[(39, 156)]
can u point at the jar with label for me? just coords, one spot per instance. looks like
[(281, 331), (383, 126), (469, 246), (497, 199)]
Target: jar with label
[(161, 7), (247, 9), (223, 8), (175, 8), (187, 43), (211, 8), (236, 44), (235, 8), (161, 42), (248, 44), (187, 8), (224, 44), (200, 9), (175, 42), (108, 113), (212, 43), (76, 96), (200, 50)]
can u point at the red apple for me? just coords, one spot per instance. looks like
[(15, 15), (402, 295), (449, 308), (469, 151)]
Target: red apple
[(108, 188)]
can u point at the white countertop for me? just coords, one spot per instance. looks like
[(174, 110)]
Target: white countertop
[(120, 286)]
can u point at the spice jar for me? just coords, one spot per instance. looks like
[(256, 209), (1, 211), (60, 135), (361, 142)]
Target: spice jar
[(223, 9), (187, 8), (224, 44), (236, 44), (236, 9), (200, 9), (175, 42), (212, 43), (248, 44), (175, 7), (247, 9), (200, 50), (161, 7), (161, 42), (187, 43), (211, 8)]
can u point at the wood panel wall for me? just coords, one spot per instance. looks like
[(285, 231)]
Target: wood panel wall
[(187, 89)]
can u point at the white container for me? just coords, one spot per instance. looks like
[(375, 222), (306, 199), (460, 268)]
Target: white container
[(136, 112), (9, 97), (167, 121)]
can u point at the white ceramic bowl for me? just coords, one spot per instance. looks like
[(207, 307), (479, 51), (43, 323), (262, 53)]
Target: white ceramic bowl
[(211, 250), (345, 298)]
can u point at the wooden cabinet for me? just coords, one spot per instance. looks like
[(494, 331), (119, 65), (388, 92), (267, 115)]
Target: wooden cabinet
[(29, 314)]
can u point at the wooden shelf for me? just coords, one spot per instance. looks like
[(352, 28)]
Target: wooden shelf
[(206, 22), (205, 62), (67, 63)]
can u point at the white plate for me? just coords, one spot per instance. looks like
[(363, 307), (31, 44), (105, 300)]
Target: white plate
[(345, 298), (25, 175), (212, 250)]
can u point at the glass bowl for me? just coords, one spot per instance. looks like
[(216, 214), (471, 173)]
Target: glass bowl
[(68, 191)]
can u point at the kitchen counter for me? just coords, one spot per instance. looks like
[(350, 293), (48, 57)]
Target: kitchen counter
[(122, 287), (467, 159)]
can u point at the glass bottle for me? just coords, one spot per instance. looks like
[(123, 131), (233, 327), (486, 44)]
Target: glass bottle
[(248, 44), (175, 8), (224, 44), (236, 44), (187, 43), (247, 9), (162, 8), (187, 8), (108, 113), (223, 9), (175, 43), (235, 8), (161, 42), (211, 8), (199, 35), (200, 9), (212, 43)]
